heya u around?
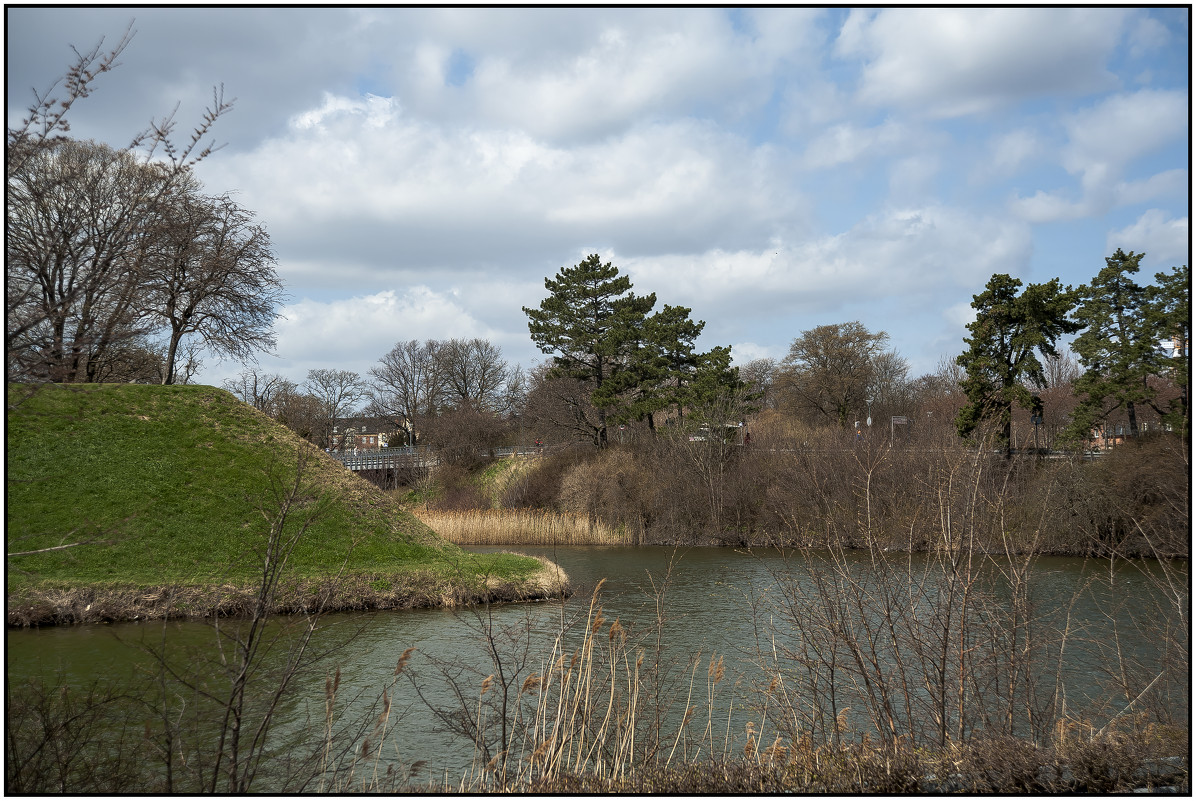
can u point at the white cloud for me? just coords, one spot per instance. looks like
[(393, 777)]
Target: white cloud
[(1171, 183), (744, 352), (1121, 128), (961, 314), (346, 165), (901, 252), (1147, 37), (1163, 238), (845, 143), (421, 170), (1104, 142), (612, 71), (1099, 195), (1007, 153), (323, 332), (1046, 207), (911, 179), (952, 62)]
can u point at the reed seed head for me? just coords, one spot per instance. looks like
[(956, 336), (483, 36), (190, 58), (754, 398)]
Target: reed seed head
[(716, 670), (530, 683), (403, 660), (615, 630)]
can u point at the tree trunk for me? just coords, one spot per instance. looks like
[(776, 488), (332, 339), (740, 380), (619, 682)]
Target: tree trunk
[(171, 353)]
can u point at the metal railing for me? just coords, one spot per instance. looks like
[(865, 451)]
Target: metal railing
[(403, 455)]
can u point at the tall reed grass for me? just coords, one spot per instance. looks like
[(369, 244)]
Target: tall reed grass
[(519, 527)]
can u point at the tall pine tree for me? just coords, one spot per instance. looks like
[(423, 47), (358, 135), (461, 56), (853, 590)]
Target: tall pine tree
[(1171, 301), (1000, 360), (1119, 346), (584, 323)]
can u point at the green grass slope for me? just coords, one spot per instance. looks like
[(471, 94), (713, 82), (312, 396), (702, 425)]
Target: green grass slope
[(165, 487)]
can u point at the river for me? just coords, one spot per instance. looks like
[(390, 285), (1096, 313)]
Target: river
[(1122, 629)]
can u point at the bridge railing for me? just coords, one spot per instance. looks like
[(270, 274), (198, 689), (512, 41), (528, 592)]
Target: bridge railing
[(406, 454)]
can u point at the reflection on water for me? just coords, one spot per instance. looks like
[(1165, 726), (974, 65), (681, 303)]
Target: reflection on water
[(715, 601)]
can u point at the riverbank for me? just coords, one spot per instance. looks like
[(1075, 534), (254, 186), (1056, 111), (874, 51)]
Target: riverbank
[(62, 604), (1133, 502)]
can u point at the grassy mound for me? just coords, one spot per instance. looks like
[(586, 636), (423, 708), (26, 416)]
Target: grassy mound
[(166, 492)]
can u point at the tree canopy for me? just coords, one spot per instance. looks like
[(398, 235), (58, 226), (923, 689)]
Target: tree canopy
[(831, 369), (602, 334), (114, 255)]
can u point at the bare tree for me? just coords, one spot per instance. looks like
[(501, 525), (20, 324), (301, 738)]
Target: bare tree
[(889, 386), (936, 399), (760, 375), (407, 385), (474, 373), (561, 407), (75, 251), (212, 274), (299, 412), (47, 114), (261, 390), (338, 393), (78, 214), (830, 369)]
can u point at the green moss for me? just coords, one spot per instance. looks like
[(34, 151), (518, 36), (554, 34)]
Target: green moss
[(166, 484)]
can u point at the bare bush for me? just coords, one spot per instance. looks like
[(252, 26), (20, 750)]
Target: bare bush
[(613, 487)]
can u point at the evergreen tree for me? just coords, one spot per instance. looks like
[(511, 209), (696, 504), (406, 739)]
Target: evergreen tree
[(715, 378), (1119, 346), (1000, 359), (584, 323), (1171, 301), (674, 334)]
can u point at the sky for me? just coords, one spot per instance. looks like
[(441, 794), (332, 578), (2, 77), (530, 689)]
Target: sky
[(422, 171)]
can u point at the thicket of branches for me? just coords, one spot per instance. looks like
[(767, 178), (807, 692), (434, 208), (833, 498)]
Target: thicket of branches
[(119, 267)]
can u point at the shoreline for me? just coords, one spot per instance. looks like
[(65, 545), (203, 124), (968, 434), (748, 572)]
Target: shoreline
[(124, 602), (540, 528)]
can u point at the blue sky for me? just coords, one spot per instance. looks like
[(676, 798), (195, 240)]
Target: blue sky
[(421, 171)]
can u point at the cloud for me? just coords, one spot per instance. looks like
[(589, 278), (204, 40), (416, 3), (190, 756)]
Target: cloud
[(362, 170), (901, 252), (1147, 37), (1104, 141), (1007, 153), (1163, 238), (1047, 207), (1119, 129), (322, 332), (953, 62), (420, 170), (845, 143), (961, 314), (585, 74)]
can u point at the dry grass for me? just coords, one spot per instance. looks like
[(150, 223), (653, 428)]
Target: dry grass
[(519, 527)]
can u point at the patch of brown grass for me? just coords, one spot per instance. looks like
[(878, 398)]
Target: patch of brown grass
[(519, 527)]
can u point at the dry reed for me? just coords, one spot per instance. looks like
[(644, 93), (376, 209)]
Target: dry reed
[(519, 527)]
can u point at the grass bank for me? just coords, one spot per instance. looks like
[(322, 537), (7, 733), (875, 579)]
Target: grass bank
[(133, 501)]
